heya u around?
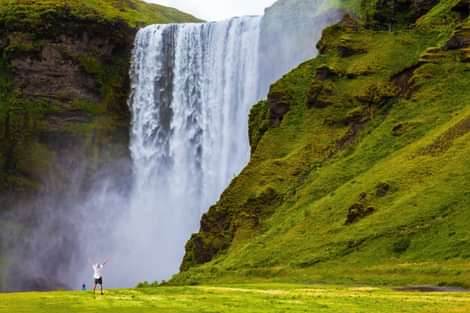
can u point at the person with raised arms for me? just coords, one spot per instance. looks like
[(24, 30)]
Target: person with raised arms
[(98, 275)]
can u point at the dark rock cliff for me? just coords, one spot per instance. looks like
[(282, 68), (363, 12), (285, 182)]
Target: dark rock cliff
[(64, 86), (66, 93)]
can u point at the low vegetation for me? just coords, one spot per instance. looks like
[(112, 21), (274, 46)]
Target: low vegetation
[(35, 14), (239, 298)]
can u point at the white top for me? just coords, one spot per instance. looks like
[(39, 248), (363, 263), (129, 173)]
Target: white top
[(98, 269)]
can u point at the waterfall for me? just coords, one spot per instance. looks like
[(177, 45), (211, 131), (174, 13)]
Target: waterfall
[(192, 89)]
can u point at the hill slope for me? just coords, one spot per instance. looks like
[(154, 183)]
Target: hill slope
[(361, 160)]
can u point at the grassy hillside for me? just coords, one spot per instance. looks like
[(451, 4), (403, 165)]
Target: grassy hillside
[(64, 83), (365, 178), (240, 298)]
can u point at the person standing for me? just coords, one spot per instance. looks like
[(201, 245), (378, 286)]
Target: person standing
[(98, 275)]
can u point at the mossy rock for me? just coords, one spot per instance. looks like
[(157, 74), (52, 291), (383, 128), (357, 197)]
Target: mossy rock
[(358, 212), (320, 94), (279, 102), (337, 38)]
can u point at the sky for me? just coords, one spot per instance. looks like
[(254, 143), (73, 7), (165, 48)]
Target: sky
[(215, 10)]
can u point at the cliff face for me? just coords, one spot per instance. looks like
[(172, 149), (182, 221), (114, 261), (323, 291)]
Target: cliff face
[(64, 86), (64, 121), (360, 160)]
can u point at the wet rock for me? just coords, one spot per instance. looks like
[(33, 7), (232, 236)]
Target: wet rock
[(357, 212), (53, 77)]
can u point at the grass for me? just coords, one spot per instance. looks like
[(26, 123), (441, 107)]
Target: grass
[(322, 162), (238, 298), (136, 13)]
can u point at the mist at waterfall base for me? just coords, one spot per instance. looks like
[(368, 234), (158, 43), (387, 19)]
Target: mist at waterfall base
[(192, 89)]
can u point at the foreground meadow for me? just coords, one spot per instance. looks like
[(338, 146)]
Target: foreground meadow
[(238, 298)]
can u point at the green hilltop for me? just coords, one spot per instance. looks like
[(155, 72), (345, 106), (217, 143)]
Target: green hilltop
[(360, 164), (134, 12)]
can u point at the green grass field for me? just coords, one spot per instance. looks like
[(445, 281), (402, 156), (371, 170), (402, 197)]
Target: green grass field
[(238, 298)]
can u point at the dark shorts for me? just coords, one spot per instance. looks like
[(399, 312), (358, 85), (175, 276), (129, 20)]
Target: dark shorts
[(99, 281)]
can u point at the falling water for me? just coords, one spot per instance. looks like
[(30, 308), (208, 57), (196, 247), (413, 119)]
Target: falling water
[(192, 89)]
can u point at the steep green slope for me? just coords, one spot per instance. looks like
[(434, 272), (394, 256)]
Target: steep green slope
[(361, 161)]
